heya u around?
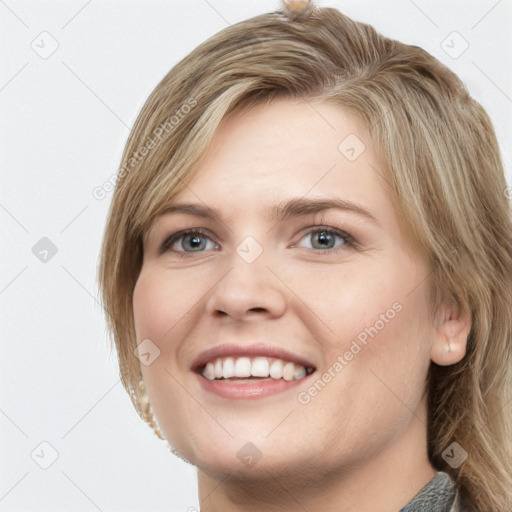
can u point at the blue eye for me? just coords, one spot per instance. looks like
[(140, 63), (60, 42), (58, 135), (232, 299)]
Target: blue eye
[(198, 240), (325, 239), (195, 240)]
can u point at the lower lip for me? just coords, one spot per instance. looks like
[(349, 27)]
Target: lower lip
[(249, 390)]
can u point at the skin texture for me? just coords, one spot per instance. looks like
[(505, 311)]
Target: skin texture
[(360, 443)]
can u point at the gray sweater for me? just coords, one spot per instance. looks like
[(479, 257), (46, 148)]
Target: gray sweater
[(439, 495)]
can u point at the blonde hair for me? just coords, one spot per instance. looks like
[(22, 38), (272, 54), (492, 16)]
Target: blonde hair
[(445, 177)]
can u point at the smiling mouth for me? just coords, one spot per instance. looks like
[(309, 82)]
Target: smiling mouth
[(253, 369)]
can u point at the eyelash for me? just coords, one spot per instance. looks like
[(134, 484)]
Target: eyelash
[(349, 241)]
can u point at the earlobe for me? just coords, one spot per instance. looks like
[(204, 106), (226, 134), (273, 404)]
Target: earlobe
[(447, 352), (451, 334)]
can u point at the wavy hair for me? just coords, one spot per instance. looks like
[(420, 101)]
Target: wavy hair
[(446, 180)]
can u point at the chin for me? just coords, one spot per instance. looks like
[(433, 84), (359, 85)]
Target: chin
[(238, 458)]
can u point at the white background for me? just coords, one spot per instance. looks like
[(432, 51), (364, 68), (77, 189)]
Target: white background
[(64, 121)]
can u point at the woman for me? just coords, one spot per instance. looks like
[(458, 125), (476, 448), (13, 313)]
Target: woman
[(307, 273)]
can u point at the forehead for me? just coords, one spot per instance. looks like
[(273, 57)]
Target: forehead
[(285, 148), (281, 160)]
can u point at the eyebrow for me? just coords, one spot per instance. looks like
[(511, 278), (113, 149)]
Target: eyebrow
[(285, 210)]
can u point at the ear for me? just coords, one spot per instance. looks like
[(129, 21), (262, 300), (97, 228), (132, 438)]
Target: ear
[(452, 328)]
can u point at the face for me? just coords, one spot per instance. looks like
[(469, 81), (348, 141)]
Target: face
[(303, 261)]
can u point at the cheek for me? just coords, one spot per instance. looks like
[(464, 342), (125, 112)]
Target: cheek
[(156, 311), (160, 302), (147, 301), (373, 311), (344, 299)]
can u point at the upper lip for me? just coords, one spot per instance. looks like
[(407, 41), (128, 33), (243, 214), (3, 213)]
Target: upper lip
[(259, 349)]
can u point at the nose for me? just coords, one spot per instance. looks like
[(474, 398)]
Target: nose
[(247, 290)]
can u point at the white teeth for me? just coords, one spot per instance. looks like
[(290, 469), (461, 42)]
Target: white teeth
[(259, 367), (209, 371), (288, 370), (218, 369), (243, 367), (228, 369), (276, 369), (246, 367)]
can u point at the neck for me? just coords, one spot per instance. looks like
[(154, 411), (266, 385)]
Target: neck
[(386, 482)]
